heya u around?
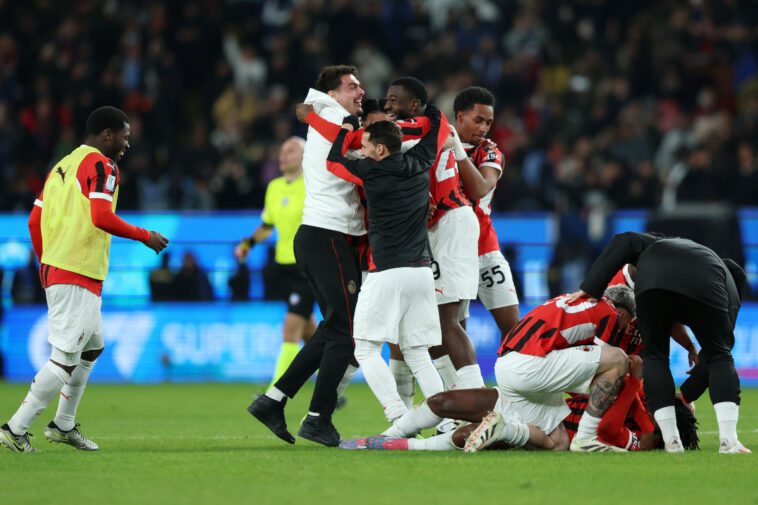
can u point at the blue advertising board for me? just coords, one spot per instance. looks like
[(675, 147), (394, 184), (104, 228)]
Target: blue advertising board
[(225, 341)]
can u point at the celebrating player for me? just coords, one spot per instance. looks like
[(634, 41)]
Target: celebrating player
[(71, 234), (400, 277), (474, 114)]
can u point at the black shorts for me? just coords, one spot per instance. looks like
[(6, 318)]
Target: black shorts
[(297, 292)]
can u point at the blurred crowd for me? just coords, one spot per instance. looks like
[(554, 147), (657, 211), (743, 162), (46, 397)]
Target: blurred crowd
[(601, 104)]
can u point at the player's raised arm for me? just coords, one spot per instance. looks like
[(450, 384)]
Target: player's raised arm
[(336, 162)]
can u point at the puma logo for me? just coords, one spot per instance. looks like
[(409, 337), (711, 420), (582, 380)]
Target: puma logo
[(62, 174)]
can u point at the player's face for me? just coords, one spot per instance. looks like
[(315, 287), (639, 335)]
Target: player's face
[(291, 156), (368, 148), (373, 117), (400, 104), (120, 143), (474, 124), (624, 317), (349, 94)]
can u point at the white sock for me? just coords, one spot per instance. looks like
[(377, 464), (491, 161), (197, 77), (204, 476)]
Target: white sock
[(515, 433), (587, 428), (446, 370), (666, 419), (379, 378), (418, 418), (45, 387), (469, 377), (727, 414), (435, 443), (404, 381), (275, 394), (71, 394), (421, 366), (349, 373)]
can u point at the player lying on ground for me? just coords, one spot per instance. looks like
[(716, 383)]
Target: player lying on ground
[(548, 353), (626, 424)]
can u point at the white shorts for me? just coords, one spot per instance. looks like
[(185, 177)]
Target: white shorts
[(73, 318), (398, 306), (534, 385), (454, 240), (496, 288)]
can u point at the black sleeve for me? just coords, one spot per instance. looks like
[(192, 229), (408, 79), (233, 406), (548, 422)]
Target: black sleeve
[(340, 166), (426, 150), (624, 248)]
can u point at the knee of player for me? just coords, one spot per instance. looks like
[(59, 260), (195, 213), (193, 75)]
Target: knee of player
[(438, 403), (615, 357)]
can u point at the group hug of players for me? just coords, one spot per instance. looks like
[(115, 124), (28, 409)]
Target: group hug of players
[(422, 189)]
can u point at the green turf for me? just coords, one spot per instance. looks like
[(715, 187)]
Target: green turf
[(193, 444)]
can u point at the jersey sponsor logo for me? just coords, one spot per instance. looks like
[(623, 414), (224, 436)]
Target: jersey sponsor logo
[(110, 183)]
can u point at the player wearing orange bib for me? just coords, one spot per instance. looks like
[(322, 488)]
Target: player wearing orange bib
[(71, 234)]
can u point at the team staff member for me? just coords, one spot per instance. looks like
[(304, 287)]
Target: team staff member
[(400, 277), (71, 234), (283, 210), (679, 280), (332, 212)]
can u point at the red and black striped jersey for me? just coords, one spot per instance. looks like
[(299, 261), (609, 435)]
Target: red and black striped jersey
[(557, 324), (630, 340), (445, 185), (483, 156)]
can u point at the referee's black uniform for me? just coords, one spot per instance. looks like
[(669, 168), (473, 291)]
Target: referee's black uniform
[(681, 281)]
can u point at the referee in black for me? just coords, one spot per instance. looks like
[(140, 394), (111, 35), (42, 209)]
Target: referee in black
[(680, 281)]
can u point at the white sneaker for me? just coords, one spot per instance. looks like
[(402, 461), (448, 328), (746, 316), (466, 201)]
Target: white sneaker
[(592, 445), (738, 448), (674, 445), (487, 432)]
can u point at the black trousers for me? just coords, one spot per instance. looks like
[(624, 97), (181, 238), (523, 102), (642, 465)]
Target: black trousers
[(330, 264), (657, 310)]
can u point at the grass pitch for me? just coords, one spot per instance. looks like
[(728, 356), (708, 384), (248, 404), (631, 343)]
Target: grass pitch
[(195, 443)]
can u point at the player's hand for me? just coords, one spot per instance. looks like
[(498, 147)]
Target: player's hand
[(156, 242), (635, 367), (241, 250), (449, 141), (577, 295), (489, 144), (693, 359), (647, 440), (351, 123), (302, 110), (431, 211)]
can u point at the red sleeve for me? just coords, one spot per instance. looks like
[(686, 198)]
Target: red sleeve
[(415, 128), (329, 130), (339, 169), (640, 415), (612, 428), (104, 218), (35, 231), (608, 329)]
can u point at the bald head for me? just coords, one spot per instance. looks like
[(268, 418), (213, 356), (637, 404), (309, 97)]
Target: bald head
[(291, 155)]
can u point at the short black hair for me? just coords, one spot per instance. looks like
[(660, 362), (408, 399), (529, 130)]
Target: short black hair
[(414, 87), (330, 77), (387, 133), (686, 423), (371, 105), (106, 117), (466, 99)]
